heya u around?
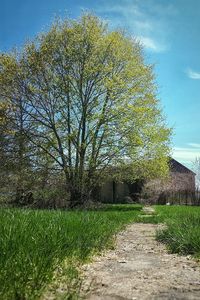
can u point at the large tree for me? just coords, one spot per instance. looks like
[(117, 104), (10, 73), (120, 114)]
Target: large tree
[(89, 102)]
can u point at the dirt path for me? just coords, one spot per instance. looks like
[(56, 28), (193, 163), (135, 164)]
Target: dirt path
[(140, 268)]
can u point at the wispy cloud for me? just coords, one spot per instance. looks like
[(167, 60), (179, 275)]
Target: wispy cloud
[(192, 74), (117, 7), (151, 44), (143, 25), (187, 154), (148, 23), (195, 145)]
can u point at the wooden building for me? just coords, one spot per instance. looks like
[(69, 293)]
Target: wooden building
[(180, 183)]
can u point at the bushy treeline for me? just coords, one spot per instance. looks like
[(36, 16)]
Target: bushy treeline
[(27, 175)]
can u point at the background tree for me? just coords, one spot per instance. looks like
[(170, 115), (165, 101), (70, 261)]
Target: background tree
[(89, 103), (15, 151), (196, 168), (5, 153)]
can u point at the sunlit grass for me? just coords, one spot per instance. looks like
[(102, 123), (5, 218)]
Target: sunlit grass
[(182, 234), (34, 243)]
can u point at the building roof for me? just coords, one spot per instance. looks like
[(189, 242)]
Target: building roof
[(176, 166)]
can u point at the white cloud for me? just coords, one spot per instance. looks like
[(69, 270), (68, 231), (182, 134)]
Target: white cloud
[(143, 25), (126, 9), (187, 154), (146, 22), (151, 44), (195, 145), (192, 74)]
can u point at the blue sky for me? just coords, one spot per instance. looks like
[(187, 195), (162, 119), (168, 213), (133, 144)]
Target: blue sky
[(169, 31)]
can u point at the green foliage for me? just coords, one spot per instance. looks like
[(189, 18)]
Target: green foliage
[(51, 197), (34, 244), (6, 132), (16, 167), (89, 101)]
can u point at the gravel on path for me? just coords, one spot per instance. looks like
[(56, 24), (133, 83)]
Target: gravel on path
[(141, 268)]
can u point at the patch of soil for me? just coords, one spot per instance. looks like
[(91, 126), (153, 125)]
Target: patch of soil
[(141, 268)]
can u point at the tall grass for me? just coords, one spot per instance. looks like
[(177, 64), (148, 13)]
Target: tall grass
[(34, 243), (182, 234)]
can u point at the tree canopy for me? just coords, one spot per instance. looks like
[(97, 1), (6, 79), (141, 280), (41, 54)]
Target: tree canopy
[(87, 100)]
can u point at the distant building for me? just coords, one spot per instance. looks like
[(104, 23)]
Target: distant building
[(179, 185)]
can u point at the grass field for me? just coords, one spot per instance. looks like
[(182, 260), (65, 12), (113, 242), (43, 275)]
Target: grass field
[(34, 244), (182, 234)]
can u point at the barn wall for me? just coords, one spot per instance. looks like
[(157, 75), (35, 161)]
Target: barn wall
[(153, 191), (106, 192), (122, 191), (177, 184), (114, 192), (182, 181)]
